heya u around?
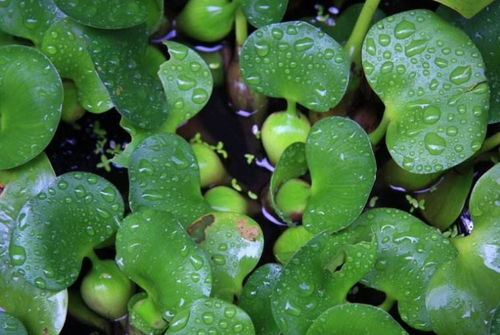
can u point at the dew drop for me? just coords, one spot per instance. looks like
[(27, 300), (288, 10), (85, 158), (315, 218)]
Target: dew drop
[(432, 114), (304, 44), (17, 255), (434, 143), (461, 74), (384, 39), (404, 29), (277, 33), (415, 47), (200, 96), (185, 82), (178, 53), (262, 48)]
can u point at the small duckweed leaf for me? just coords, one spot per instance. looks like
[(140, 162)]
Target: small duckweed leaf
[(66, 47), (337, 145), (38, 309), (188, 80), (318, 277), (30, 107), (355, 319), (105, 14), (43, 248), (483, 31), (10, 325), (292, 164), (444, 203), (28, 19), (234, 243), (255, 298), (164, 175), (468, 8), (431, 78), (173, 276), (409, 252), (471, 299), (206, 313), (295, 61), (263, 12)]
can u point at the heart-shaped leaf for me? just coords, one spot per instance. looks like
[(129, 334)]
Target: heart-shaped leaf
[(10, 325), (317, 277), (483, 31), (263, 12), (164, 175), (105, 14), (355, 319), (226, 318), (173, 275), (234, 244), (409, 252), (467, 8), (295, 61), (28, 19), (255, 298), (431, 79), (337, 145), (466, 288), (444, 202), (120, 63), (30, 108), (188, 81), (41, 311), (88, 204)]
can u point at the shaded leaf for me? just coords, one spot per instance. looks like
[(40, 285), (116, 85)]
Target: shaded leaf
[(263, 12)]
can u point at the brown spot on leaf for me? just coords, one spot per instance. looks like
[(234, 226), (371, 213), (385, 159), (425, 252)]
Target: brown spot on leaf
[(247, 231), (197, 229), (45, 330)]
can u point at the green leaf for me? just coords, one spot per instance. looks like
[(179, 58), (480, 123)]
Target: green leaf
[(292, 164), (467, 8), (87, 203), (483, 31), (10, 325), (263, 12), (340, 146), (444, 204), (289, 242), (472, 298), (188, 80), (355, 319), (28, 19), (154, 251), (391, 174), (318, 277), (6, 39), (255, 298), (164, 175), (40, 310), (431, 79), (295, 61), (30, 108), (409, 252), (227, 318), (234, 243), (105, 14)]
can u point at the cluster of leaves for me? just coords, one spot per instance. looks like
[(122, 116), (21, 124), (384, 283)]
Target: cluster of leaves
[(190, 253)]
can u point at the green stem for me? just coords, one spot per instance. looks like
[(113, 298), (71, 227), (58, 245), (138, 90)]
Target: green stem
[(386, 305), (353, 45), (490, 143), (241, 27), (377, 135), (93, 258), (291, 107)]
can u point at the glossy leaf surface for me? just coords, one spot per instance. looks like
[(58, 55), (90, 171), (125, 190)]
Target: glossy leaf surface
[(188, 81), (164, 175), (337, 145), (263, 12), (483, 30), (211, 313), (471, 299), (289, 242), (10, 325), (175, 274), (255, 298), (317, 277), (30, 106), (431, 79), (355, 319), (38, 309), (28, 19), (86, 203), (467, 8), (234, 243), (105, 14), (295, 61), (409, 252)]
